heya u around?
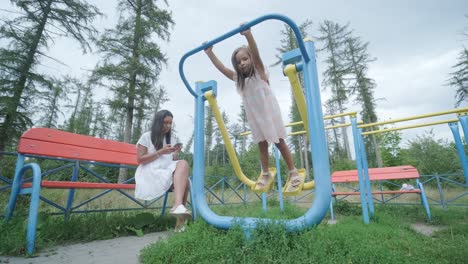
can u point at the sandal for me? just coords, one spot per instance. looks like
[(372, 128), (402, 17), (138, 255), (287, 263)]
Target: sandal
[(181, 212), (295, 180), (264, 182)]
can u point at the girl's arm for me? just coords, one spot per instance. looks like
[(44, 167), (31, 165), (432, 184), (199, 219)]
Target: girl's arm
[(218, 64), (144, 157), (255, 54)]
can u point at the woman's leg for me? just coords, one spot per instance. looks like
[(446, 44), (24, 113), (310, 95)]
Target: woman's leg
[(180, 179)]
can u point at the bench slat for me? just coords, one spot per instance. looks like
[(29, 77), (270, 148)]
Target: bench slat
[(43, 148), (376, 174), (81, 185), (67, 138)]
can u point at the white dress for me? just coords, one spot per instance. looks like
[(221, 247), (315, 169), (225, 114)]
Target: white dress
[(153, 179), (262, 110)]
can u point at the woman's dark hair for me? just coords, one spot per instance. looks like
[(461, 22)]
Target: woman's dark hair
[(241, 76), (157, 136)]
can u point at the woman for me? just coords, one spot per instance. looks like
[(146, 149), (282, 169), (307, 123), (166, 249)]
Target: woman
[(160, 169)]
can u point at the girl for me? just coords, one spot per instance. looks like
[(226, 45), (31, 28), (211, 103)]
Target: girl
[(159, 168), (261, 107)]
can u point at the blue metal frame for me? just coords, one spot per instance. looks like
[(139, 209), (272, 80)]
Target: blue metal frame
[(316, 130)]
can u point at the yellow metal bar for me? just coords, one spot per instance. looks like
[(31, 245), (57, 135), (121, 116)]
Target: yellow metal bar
[(352, 114), (291, 73), (294, 124), (408, 127), (414, 117), (227, 141)]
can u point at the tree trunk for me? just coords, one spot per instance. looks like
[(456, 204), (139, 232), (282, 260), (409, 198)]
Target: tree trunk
[(131, 88), (11, 111)]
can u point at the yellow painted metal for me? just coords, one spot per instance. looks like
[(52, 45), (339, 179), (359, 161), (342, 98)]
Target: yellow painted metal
[(227, 142), (291, 73), (308, 185), (352, 114), (408, 127), (461, 110)]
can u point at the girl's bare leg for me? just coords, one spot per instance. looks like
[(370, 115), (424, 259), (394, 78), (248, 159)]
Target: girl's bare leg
[(284, 149), (263, 146), (286, 153)]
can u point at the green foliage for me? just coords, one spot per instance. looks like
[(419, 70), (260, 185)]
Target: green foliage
[(430, 155), (390, 148), (343, 164)]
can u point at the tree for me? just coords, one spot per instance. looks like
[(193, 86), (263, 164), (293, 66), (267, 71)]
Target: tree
[(51, 109), (430, 155), (360, 85), (27, 37), (132, 61), (459, 78), (334, 40)]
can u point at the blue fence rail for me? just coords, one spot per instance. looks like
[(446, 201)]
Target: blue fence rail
[(442, 190)]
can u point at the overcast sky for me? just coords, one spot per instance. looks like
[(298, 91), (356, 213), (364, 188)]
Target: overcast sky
[(415, 43)]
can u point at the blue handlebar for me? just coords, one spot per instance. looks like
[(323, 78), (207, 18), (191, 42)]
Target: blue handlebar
[(231, 33)]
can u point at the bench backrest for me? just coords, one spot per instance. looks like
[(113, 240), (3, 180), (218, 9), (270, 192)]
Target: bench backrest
[(377, 174), (56, 143)]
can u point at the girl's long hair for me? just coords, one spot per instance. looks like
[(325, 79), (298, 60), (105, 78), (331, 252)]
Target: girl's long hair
[(241, 76), (157, 135)]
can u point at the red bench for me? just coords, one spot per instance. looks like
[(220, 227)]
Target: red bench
[(382, 174), (75, 148)]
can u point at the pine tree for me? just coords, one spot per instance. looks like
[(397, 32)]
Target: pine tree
[(358, 59), (334, 40), (51, 107), (132, 61), (27, 37), (459, 78)]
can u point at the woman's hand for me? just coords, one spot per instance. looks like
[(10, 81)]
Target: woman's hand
[(166, 149)]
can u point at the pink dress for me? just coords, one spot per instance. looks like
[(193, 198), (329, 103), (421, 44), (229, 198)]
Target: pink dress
[(262, 110)]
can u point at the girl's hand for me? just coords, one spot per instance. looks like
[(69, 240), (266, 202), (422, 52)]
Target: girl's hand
[(209, 49), (245, 32)]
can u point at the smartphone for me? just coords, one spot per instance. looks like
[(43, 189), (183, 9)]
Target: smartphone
[(177, 145)]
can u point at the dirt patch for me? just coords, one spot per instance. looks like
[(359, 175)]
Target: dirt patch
[(425, 229), (112, 251)]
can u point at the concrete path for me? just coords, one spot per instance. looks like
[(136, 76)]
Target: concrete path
[(112, 251)]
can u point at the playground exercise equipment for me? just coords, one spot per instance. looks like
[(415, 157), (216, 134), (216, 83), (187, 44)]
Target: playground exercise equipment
[(305, 55)]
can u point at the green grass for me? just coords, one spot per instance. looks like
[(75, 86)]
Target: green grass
[(54, 230), (388, 239)]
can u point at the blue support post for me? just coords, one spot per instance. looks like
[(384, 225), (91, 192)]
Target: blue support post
[(278, 178), (424, 200), (362, 185), (71, 192), (34, 205), (365, 168), (461, 152), (15, 187), (464, 123)]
